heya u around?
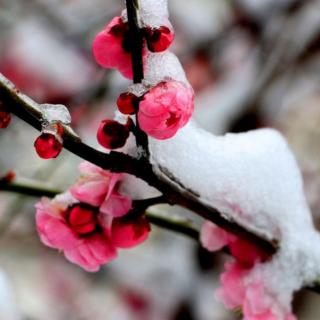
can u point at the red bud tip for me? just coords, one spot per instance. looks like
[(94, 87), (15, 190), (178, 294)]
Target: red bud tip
[(47, 146)]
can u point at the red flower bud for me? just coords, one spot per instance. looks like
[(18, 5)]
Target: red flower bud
[(82, 219), (128, 103), (158, 39), (47, 146), (129, 232), (112, 134)]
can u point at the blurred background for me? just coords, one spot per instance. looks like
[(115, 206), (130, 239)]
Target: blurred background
[(252, 63)]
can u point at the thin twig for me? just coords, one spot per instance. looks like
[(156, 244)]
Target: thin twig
[(136, 46), (179, 225), (173, 223)]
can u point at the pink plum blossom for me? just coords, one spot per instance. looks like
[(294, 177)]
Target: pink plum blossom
[(214, 238), (111, 48), (89, 246), (256, 302), (79, 223), (261, 305), (236, 290), (232, 292), (97, 188), (165, 109)]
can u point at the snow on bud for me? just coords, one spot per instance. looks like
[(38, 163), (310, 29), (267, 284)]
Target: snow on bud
[(112, 134), (158, 39), (111, 47), (165, 109), (49, 144)]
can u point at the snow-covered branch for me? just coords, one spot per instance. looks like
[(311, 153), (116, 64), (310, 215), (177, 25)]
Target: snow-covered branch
[(29, 111)]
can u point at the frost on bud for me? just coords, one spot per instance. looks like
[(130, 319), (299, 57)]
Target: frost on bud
[(129, 232), (48, 145), (128, 103), (112, 134), (158, 39)]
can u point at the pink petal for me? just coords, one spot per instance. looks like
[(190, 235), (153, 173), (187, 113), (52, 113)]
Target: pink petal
[(212, 237), (117, 205), (128, 233), (92, 253), (232, 293), (88, 169), (261, 305), (102, 249), (54, 232), (75, 256), (257, 300), (114, 179), (92, 192), (108, 51)]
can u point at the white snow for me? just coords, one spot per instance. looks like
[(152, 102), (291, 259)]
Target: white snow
[(154, 8), (170, 69), (252, 178), (53, 113), (152, 13), (138, 89), (247, 176)]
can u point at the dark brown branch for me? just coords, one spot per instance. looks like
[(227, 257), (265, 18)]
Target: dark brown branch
[(35, 189), (136, 40), (178, 225)]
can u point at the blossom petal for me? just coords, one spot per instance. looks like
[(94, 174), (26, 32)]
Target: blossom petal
[(117, 205)]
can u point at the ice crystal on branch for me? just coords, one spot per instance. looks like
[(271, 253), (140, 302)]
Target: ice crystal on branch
[(53, 113)]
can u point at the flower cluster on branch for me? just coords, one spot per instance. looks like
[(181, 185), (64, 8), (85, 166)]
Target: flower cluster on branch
[(93, 219)]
